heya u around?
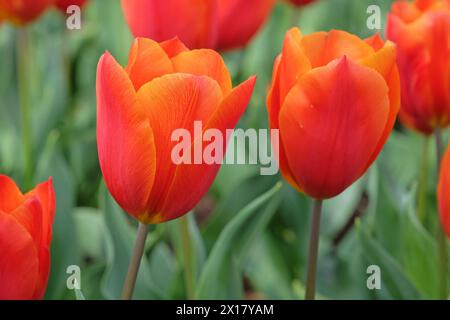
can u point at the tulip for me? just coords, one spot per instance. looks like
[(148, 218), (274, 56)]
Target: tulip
[(421, 30), (164, 87), (62, 5), (334, 98), (444, 193), (240, 20), (23, 11), (300, 2), (25, 234), (216, 24)]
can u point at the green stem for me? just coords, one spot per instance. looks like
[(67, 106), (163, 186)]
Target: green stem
[(187, 257), (24, 104), (441, 237), (313, 251), (423, 181), (135, 262), (295, 17)]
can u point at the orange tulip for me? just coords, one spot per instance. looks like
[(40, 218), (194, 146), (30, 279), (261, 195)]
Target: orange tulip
[(334, 98), (444, 192), (25, 235), (300, 2), (20, 12), (62, 5), (421, 30), (164, 87), (216, 24)]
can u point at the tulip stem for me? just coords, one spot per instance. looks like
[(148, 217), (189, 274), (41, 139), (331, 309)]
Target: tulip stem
[(442, 240), (423, 181), (295, 16), (24, 105), (313, 251), (135, 261), (187, 255)]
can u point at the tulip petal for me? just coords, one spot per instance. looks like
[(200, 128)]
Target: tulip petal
[(294, 62), (125, 139), (323, 47), (273, 109), (30, 215), (375, 41), (147, 60), (18, 260), (384, 61), (173, 102), (225, 117), (240, 20), (45, 193), (444, 192), (331, 123), (10, 195), (204, 62), (160, 20), (173, 47)]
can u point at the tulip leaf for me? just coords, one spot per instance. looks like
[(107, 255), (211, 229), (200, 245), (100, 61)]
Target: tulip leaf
[(64, 247), (396, 282), (196, 241), (220, 278)]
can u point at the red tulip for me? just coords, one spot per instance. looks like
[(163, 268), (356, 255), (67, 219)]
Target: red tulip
[(300, 2), (334, 98), (62, 5), (421, 30), (444, 192), (25, 235), (20, 12), (217, 24), (239, 21), (164, 87)]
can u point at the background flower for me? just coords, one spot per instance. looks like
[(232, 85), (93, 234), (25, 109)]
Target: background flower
[(25, 234), (421, 30)]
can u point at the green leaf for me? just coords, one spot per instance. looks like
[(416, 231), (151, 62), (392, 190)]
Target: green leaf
[(221, 278), (198, 249), (396, 282), (64, 247), (163, 268)]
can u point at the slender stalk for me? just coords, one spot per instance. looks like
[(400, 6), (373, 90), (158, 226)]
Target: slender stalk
[(295, 17), (187, 255), (423, 181), (24, 104), (135, 262), (442, 240), (313, 251)]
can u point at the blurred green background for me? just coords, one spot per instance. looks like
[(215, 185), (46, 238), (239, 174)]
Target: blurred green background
[(249, 240)]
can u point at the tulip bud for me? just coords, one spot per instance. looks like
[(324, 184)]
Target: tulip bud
[(25, 235), (216, 24), (300, 2), (62, 5), (421, 30), (24, 11), (164, 87), (334, 98)]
